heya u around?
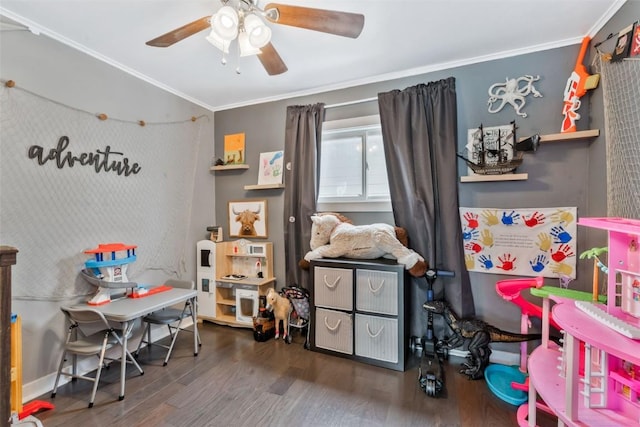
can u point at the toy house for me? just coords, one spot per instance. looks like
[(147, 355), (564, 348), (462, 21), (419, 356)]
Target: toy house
[(598, 385)]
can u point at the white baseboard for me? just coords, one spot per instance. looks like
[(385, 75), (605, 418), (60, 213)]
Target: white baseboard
[(497, 356), (43, 385)]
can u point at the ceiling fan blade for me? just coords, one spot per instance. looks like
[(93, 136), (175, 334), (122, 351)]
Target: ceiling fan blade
[(271, 60), (181, 33), (327, 21)]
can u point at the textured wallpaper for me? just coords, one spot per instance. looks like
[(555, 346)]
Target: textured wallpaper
[(70, 181)]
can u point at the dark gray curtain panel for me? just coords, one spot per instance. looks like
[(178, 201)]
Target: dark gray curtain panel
[(301, 155), (419, 128)]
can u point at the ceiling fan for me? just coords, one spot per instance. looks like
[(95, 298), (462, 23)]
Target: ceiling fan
[(242, 20)]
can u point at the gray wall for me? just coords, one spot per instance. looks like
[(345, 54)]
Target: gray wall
[(60, 73), (560, 174)]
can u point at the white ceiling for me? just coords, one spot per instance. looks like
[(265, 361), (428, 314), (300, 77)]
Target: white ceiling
[(400, 38)]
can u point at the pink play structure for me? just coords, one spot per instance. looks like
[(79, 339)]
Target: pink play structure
[(511, 290), (593, 379)]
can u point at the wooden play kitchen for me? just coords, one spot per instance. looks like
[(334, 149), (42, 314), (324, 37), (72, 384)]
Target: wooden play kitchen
[(231, 276)]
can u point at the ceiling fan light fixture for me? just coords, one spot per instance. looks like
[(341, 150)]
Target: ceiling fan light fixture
[(259, 34), (225, 23), (246, 48), (218, 41)]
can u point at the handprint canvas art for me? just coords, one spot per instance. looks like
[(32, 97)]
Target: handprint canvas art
[(270, 170), (520, 242)]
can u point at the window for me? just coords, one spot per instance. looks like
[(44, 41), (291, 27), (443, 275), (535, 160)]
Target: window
[(353, 172)]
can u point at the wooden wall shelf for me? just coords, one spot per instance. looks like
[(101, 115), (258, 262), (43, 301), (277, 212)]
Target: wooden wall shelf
[(263, 186), (568, 136), (553, 137), (228, 167), (502, 177)]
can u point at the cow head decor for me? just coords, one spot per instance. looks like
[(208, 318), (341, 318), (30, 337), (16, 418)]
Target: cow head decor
[(248, 218)]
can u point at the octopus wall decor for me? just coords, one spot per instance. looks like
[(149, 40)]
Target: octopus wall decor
[(514, 92)]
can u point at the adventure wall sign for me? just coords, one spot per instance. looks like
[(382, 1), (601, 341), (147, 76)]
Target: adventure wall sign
[(102, 161)]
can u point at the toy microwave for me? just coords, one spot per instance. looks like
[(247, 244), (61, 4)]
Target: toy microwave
[(257, 249)]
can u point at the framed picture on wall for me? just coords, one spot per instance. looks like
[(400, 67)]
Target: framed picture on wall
[(248, 219)]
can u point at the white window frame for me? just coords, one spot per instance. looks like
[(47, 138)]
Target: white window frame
[(352, 205)]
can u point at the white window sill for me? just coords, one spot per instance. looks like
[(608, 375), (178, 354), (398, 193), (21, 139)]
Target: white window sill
[(354, 206)]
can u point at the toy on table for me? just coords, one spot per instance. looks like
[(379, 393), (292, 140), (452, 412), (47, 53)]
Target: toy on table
[(333, 235), (281, 307), (108, 271)]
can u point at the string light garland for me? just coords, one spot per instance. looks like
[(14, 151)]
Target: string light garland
[(101, 116)]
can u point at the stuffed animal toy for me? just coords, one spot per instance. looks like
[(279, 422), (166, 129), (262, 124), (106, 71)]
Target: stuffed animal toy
[(281, 307), (334, 235)]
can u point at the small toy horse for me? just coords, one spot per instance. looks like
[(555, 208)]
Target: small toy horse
[(281, 307)]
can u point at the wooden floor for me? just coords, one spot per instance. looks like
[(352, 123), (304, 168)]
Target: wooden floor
[(236, 381)]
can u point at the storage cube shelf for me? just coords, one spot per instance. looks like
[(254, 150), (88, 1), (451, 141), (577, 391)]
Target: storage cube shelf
[(358, 311)]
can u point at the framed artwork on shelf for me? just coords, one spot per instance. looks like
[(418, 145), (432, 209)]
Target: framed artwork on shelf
[(248, 218), (270, 168), (234, 153)]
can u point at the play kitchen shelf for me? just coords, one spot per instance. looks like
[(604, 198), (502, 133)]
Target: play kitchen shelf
[(231, 277)]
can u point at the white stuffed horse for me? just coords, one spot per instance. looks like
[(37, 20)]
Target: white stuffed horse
[(333, 235)]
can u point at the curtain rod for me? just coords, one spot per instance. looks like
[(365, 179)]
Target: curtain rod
[(344, 104)]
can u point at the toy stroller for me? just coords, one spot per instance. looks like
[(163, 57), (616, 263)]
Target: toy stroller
[(298, 317)]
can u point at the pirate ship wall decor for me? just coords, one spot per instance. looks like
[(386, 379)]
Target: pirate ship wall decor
[(494, 150)]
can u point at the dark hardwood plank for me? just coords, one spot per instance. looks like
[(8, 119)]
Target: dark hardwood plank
[(237, 381)]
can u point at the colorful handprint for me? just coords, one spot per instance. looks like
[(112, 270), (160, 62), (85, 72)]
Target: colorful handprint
[(472, 219), (562, 217), (473, 247), (561, 235), (562, 269), (485, 262), (544, 242), (536, 218), (539, 263), (486, 238), (490, 217), (510, 219), (562, 252), (507, 262), (469, 262), (469, 234)]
